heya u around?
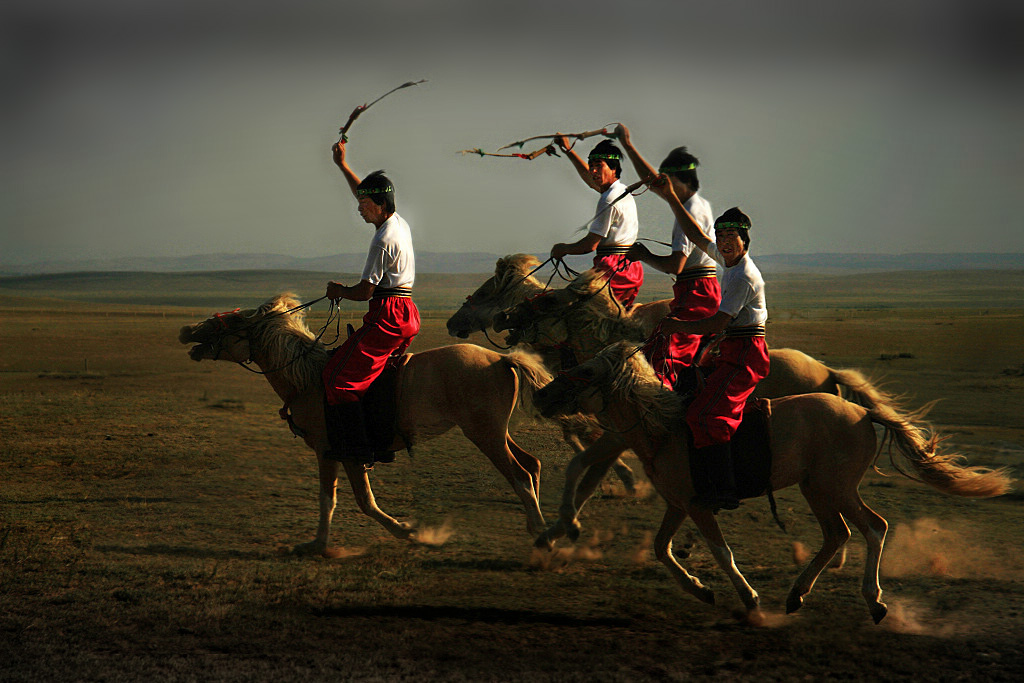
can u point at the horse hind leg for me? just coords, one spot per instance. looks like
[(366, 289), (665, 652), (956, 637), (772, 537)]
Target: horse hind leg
[(496, 448), (835, 534), (527, 461), (873, 527)]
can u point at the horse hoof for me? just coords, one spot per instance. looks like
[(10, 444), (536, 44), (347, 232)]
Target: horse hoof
[(794, 602), (544, 542), (573, 532), (878, 611), (706, 595)]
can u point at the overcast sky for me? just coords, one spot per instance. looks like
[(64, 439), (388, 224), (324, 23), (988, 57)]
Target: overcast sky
[(196, 126)]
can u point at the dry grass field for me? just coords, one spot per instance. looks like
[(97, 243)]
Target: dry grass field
[(148, 506)]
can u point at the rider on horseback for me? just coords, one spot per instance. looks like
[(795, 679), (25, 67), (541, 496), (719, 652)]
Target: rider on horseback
[(615, 225), (388, 327), (696, 289), (742, 359)]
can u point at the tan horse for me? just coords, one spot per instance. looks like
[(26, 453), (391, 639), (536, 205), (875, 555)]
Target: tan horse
[(586, 317), (819, 441), (462, 385)]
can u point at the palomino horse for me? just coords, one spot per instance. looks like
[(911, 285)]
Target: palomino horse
[(462, 385), (586, 318), (819, 441), (512, 283)]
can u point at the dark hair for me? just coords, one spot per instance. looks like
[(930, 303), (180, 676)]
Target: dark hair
[(607, 148), (379, 188), (738, 220), (682, 165)]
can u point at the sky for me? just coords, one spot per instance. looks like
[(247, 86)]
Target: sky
[(202, 126)]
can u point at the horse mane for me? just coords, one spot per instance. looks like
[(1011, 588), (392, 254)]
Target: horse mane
[(599, 315), (634, 381), (512, 277), (287, 342)]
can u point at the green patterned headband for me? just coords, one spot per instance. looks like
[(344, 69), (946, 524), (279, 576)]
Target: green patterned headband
[(374, 190), (676, 169), (738, 226), (612, 157)]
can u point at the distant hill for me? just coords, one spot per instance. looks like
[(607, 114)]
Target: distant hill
[(477, 262)]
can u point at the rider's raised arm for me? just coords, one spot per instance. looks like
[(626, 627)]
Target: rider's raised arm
[(663, 188), (338, 152)]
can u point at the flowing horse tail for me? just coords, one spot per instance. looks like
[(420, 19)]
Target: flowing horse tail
[(919, 446), (531, 374), (856, 388)]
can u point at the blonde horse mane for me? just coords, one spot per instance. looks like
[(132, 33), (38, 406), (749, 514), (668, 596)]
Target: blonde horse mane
[(633, 380), (287, 342), (597, 314), (513, 279)]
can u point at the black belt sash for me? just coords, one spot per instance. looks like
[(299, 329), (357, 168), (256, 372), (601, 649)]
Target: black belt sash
[(696, 273), (613, 249), (746, 331), (385, 292)]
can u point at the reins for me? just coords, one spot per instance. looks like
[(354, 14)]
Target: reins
[(333, 315)]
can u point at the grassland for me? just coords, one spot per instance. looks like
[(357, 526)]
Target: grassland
[(148, 505)]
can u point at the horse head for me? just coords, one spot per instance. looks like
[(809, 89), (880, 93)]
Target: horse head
[(586, 388), (512, 275), (228, 335)]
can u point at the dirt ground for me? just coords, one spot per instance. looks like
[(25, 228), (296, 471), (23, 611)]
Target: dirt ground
[(149, 505)]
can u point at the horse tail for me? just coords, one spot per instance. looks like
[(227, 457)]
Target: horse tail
[(920, 447), (856, 388), (532, 376)]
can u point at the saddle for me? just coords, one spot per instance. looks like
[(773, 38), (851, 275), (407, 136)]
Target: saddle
[(750, 449), (380, 406)]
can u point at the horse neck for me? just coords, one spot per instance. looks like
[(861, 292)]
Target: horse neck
[(591, 331), (626, 420), (282, 364)]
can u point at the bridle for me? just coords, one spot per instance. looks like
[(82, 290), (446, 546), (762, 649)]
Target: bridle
[(243, 333)]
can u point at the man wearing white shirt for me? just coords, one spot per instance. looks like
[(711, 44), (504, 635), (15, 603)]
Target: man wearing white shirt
[(742, 360), (615, 226), (389, 325), (696, 290)]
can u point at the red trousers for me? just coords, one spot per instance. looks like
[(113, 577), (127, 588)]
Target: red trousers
[(717, 411), (388, 328), (627, 276), (695, 299)]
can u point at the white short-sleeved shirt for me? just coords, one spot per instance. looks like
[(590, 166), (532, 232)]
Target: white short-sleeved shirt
[(619, 224), (742, 291), (700, 209), (390, 261)]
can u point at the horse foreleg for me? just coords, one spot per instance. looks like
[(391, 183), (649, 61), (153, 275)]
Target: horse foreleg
[(670, 524), (709, 529), (328, 476), (835, 534), (356, 474), (574, 494), (873, 527)]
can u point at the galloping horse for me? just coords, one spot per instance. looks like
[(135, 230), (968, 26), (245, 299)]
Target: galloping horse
[(586, 318), (461, 385), (819, 441)]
